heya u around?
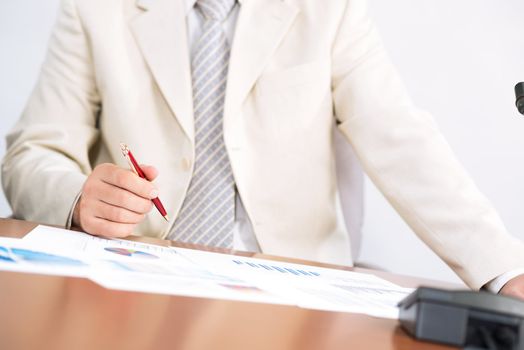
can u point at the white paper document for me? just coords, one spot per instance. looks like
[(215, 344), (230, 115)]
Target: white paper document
[(16, 255), (71, 243), (135, 266), (310, 286)]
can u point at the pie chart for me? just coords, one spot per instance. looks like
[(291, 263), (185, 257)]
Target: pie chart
[(130, 253)]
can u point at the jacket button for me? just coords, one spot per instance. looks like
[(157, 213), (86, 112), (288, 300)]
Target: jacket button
[(186, 164)]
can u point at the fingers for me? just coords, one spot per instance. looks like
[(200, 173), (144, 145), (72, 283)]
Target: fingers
[(114, 201), (129, 181), (99, 218), (117, 214), (122, 198), (101, 227), (150, 171)]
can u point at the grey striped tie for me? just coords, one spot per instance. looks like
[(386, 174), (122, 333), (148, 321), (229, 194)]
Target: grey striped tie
[(208, 212)]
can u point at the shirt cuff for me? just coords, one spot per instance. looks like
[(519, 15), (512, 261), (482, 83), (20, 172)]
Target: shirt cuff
[(496, 284), (69, 222)]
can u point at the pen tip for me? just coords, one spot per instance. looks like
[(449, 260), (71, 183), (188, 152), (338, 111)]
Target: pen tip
[(166, 217)]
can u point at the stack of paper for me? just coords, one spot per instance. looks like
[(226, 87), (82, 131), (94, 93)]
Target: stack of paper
[(133, 266)]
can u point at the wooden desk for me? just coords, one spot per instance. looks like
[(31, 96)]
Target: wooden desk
[(46, 312)]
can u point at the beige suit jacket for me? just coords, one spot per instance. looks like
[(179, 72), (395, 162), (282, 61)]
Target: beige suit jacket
[(119, 70)]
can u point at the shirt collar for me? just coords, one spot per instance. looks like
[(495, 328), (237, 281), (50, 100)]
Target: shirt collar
[(191, 3)]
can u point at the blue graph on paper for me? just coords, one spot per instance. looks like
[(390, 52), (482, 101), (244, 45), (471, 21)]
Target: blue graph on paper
[(274, 268), (17, 255)]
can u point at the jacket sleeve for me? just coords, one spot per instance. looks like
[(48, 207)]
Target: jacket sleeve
[(47, 159), (407, 158)]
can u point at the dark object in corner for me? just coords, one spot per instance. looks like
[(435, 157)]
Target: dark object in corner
[(475, 320), (519, 94)]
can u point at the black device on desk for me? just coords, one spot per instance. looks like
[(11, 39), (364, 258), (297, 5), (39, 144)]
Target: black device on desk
[(475, 320)]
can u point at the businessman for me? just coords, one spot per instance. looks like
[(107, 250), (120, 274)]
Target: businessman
[(234, 103)]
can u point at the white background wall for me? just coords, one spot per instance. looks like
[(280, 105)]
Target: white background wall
[(459, 59)]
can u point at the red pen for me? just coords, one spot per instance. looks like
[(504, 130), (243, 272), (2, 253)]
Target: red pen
[(136, 168)]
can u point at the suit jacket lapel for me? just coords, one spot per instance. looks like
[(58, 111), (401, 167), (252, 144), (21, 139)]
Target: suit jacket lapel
[(161, 35), (261, 27)]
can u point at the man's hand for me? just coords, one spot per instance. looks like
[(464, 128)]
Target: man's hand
[(514, 287), (114, 200)]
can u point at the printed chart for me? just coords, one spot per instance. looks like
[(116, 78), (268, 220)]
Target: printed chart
[(130, 253)]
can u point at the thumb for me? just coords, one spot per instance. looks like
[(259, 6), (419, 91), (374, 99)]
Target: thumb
[(150, 171)]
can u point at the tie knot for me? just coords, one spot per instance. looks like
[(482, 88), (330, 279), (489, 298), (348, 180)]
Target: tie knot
[(215, 9)]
